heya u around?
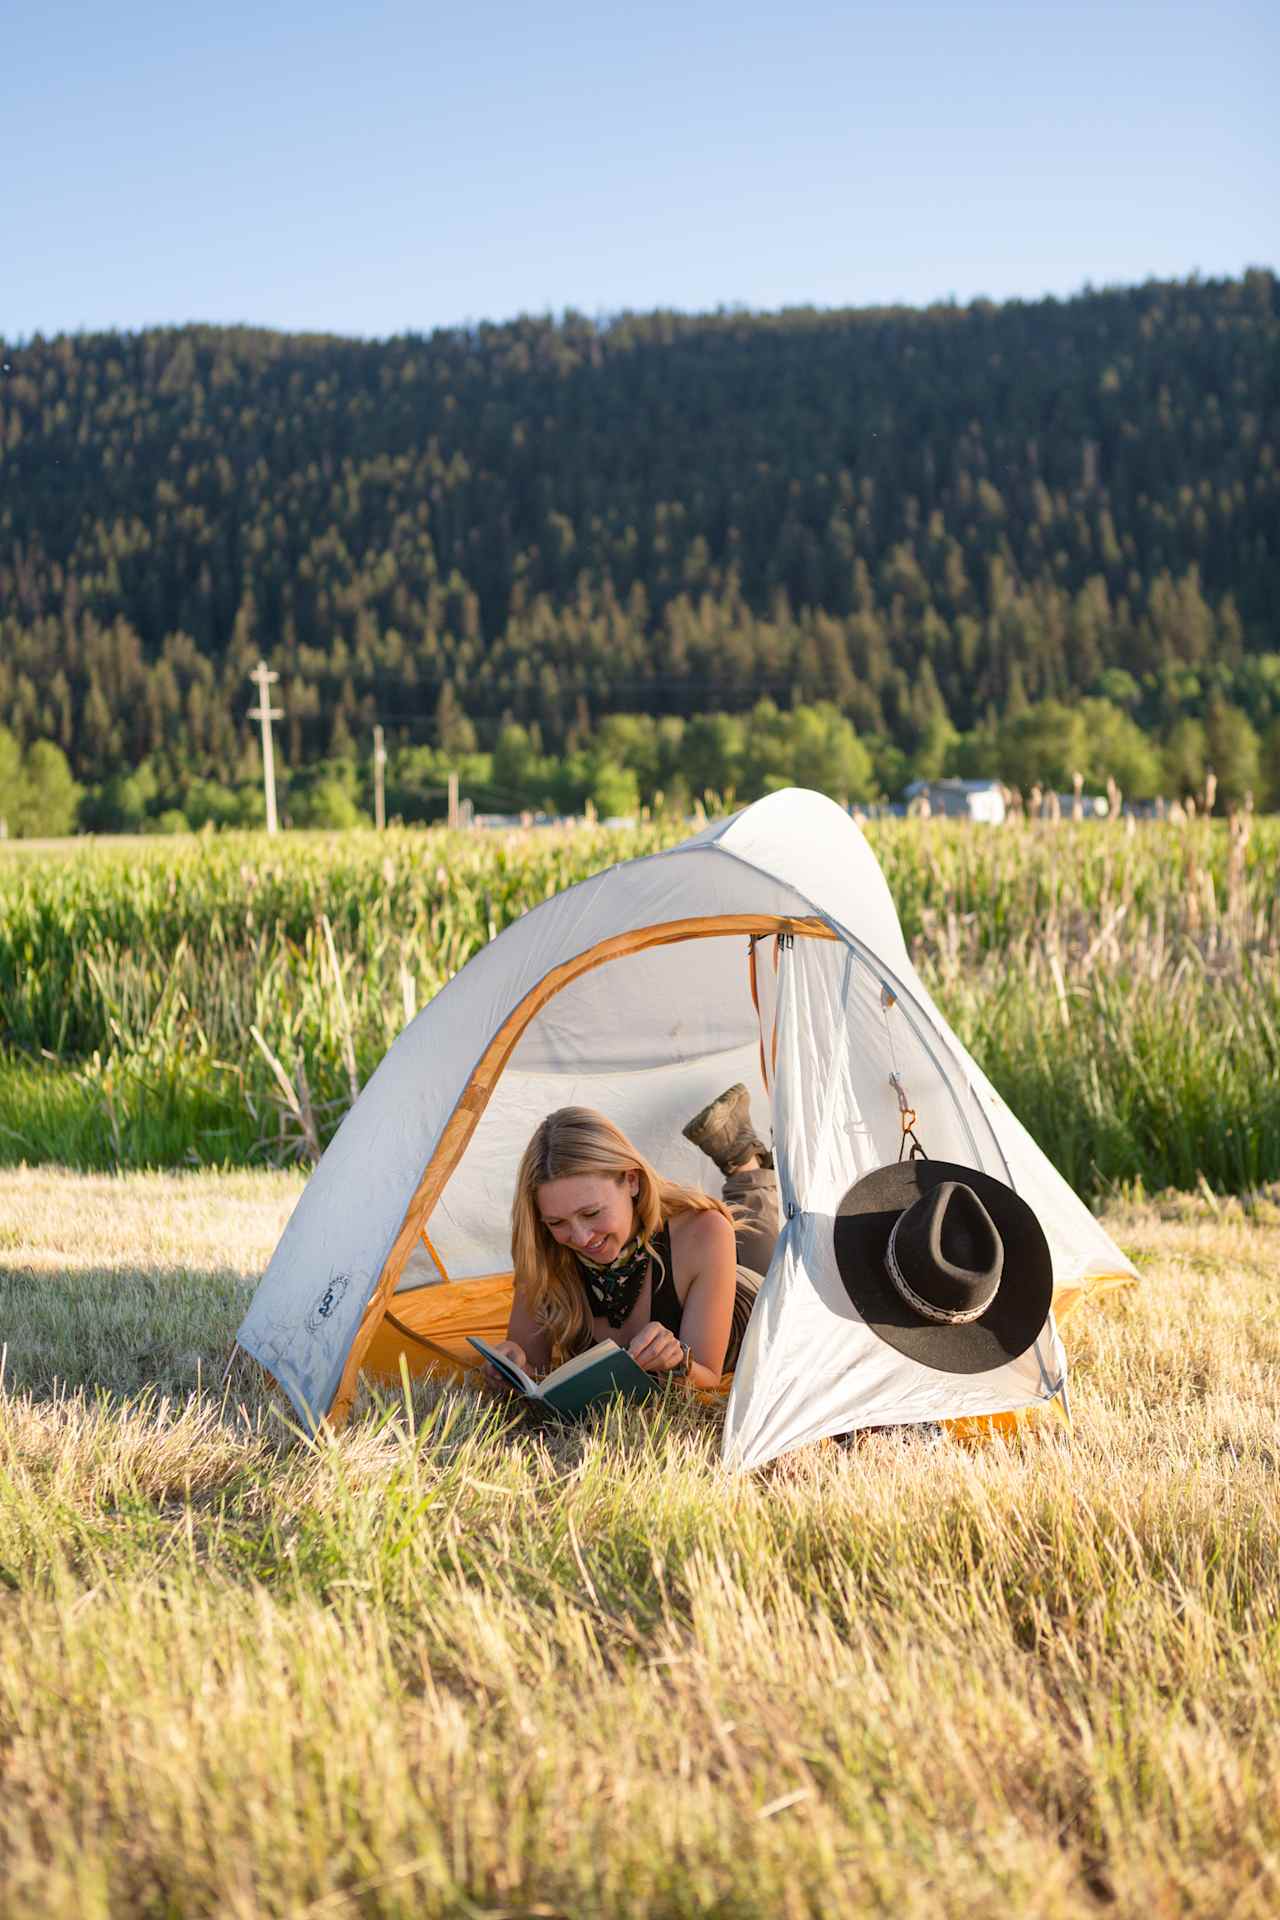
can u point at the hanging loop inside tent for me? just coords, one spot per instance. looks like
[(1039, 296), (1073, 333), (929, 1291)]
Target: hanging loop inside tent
[(769, 1057), (907, 1115), (754, 982)]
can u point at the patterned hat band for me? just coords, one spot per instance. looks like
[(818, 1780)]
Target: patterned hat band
[(951, 1316)]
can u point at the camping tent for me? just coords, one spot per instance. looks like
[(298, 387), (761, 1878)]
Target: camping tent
[(765, 949)]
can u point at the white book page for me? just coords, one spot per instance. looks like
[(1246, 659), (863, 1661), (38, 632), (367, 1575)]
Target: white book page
[(580, 1363)]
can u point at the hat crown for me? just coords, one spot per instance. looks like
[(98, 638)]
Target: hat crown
[(945, 1256)]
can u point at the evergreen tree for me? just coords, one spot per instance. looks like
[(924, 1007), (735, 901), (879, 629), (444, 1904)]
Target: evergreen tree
[(50, 795), (1270, 767), (1234, 753), (454, 731), (1116, 749), (1183, 760), (10, 784), (915, 516), (1042, 747)]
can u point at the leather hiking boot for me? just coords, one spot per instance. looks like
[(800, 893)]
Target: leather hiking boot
[(725, 1133)]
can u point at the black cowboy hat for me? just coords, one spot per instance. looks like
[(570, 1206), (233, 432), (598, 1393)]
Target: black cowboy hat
[(944, 1263)]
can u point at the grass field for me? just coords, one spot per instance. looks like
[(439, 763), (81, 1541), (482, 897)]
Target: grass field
[(452, 1663), (217, 1002), (457, 1665)]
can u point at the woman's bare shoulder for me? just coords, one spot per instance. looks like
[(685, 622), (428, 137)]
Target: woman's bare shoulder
[(697, 1235)]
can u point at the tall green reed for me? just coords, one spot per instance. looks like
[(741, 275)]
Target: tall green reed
[(217, 1000)]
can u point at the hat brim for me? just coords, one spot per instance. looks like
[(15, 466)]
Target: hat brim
[(865, 1219)]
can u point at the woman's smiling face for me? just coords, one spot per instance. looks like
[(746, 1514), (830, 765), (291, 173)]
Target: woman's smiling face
[(590, 1212)]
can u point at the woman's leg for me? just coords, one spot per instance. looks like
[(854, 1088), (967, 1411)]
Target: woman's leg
[(751, 1195), (724, 1132)]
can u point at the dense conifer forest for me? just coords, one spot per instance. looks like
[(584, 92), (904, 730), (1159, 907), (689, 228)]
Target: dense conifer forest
[(847, 547)]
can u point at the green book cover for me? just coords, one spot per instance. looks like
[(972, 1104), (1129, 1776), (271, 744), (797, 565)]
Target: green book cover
[(603, 1370)]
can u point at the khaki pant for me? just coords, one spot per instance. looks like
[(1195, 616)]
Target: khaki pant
[(752, 1199)]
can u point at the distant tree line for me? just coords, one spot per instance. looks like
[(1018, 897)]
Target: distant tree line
[(948, 529), (667, 763)]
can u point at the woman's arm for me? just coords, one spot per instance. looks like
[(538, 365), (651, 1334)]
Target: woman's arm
[(523, 1328), (526, 1343), (708, 1254)]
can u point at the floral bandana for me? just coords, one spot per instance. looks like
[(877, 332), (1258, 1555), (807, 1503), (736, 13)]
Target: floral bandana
[(614, 1290)]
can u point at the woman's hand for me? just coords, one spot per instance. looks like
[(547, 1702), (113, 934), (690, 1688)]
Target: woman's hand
[(656, 1349), (509, 1350)]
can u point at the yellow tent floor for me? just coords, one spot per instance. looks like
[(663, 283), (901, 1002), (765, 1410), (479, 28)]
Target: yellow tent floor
[(428, 1330)]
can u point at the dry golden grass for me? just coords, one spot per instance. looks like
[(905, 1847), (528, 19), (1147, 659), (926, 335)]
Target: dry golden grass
[(135, 1281), (447, 1665)]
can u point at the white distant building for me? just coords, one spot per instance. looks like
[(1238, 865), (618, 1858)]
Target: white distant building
[(1093, 806), (960, 799)]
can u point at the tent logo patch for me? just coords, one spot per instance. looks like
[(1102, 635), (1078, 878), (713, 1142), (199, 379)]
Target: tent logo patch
[(328, 1300)]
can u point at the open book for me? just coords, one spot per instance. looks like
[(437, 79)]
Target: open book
[(602, 1370)]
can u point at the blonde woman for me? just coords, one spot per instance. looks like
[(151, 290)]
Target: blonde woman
[(605, 1248)]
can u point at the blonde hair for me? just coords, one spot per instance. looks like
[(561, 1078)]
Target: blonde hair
[(569, 1142)]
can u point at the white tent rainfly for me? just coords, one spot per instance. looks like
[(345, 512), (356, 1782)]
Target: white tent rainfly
[(766, 949)]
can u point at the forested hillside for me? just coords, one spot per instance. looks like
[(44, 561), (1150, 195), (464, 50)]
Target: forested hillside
[(933, 520)]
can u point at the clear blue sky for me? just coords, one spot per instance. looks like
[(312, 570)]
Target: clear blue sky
[(390, 166)]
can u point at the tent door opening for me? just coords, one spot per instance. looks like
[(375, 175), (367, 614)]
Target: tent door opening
[(646, 1033)]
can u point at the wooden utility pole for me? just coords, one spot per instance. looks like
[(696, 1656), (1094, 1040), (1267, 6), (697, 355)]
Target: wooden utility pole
[(379, 780), (453, 800), (262, 678)]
